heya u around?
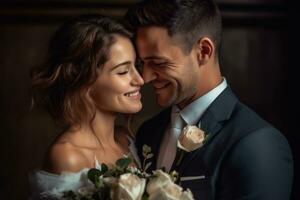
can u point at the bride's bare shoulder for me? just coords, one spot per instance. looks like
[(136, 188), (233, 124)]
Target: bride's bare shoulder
[(64, 156)]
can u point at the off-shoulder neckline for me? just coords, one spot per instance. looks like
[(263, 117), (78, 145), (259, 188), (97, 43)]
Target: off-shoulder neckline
[(97, 164)]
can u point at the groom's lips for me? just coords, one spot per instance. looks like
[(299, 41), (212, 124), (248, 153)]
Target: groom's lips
[(158, 86)]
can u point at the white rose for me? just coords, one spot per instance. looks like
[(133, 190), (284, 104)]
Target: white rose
[(110, 181), (191, 138), (134, 170), (161, 187), (169, 191), (187, 195), (129, 187), (160, 180)]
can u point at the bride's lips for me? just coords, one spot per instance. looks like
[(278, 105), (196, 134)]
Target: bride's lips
[(134, 94)]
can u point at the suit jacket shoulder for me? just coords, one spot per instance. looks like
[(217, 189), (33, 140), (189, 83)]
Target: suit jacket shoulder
[(243, 154), (258, 164)]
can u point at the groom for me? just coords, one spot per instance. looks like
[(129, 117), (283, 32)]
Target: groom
[(243, 157)]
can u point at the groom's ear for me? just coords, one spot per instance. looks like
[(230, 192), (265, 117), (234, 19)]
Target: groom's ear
[(204, 49)]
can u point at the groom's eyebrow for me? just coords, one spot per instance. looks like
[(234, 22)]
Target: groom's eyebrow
[(155, 58), (121, 64)]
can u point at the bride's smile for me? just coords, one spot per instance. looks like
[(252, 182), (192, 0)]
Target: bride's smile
[(134, 95)]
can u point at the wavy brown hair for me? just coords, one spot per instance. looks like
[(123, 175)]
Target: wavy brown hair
[(78, 49)]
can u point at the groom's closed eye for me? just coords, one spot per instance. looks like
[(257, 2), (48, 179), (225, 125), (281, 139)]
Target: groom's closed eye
[(157, 64)]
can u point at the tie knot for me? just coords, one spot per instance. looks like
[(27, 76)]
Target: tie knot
[(176, 120)]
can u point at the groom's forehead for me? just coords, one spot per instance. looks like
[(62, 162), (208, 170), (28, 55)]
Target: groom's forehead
[(153, 39), (152, 35)]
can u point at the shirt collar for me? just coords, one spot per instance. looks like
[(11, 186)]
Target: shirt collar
[(193, 112)]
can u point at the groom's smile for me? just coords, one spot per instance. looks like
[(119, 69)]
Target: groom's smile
[(159, 85)]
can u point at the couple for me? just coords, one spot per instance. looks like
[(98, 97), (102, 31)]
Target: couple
[(91, 77)]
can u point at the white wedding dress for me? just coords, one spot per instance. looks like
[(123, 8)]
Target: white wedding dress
[(45, 185)]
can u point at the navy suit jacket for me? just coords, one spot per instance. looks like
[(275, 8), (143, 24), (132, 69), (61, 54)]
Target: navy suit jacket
[(244, 158)]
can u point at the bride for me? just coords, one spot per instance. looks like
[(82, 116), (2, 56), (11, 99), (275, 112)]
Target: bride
[(90, 78)]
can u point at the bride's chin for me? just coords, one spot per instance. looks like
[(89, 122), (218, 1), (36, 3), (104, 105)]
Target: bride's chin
[(135, 109)]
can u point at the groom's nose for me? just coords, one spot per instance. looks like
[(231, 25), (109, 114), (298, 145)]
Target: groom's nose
[(148, 74)]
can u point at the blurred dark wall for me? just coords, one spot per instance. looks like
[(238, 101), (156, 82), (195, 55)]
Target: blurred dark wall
[(254, 59)]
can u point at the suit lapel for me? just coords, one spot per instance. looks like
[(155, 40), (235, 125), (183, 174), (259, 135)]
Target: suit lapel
[(211, 123)]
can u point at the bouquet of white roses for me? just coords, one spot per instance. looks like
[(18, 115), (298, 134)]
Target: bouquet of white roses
[(125, 182)]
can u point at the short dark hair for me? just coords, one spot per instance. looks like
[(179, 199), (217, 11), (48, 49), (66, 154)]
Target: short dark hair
[(189, 19), (77, 50)]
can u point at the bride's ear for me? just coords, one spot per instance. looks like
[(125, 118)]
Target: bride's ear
[(205, 48), (88, 96), (87, 93)]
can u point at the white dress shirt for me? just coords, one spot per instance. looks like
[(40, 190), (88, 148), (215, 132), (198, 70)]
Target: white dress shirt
[(191, 114)]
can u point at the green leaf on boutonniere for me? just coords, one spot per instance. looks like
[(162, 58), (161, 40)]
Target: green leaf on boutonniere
[(206, 138)]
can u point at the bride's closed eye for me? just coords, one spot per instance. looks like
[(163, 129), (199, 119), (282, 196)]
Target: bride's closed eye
[(122, 70), (123, 73)]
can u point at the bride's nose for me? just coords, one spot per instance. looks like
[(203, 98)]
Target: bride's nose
[(136, 78)]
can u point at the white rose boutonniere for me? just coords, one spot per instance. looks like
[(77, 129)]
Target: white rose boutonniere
[(190, 139)]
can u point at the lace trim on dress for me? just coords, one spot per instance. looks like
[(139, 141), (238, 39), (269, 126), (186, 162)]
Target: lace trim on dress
[(45, 185)]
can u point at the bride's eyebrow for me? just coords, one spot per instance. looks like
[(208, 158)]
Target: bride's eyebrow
[(120, 64)]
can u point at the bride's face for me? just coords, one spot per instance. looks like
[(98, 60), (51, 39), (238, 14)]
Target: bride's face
[(117, 88)]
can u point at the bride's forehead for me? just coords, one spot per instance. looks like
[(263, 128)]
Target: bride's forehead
[(120, 51), (121, 46)]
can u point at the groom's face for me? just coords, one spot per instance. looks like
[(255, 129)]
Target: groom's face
[(172, 72)]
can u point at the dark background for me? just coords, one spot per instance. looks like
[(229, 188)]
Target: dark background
[(259, 60)]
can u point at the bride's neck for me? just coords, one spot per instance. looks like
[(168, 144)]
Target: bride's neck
[(102, 126)]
